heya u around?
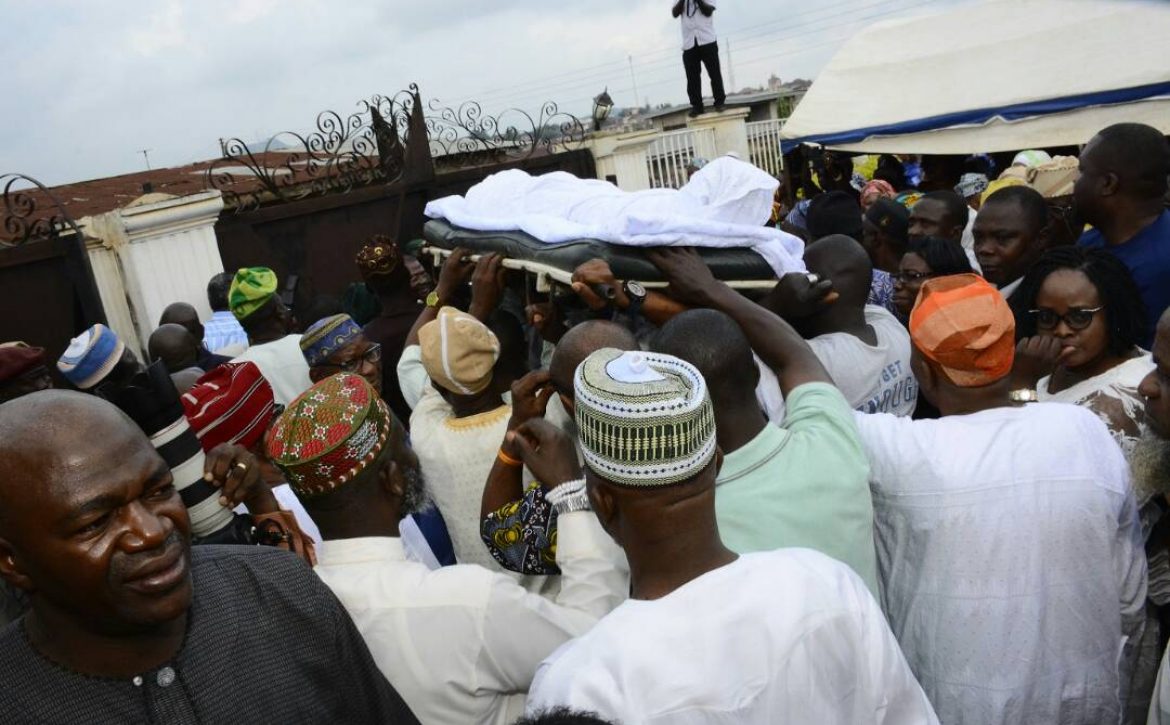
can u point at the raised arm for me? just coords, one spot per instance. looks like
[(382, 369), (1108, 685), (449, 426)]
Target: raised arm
[(773, 340), (596, 274), (453, 275)]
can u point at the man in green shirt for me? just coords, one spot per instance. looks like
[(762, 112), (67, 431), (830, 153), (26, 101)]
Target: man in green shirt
[(803, 485)]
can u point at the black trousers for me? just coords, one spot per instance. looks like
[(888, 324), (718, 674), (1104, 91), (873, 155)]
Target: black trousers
[(707, 55)]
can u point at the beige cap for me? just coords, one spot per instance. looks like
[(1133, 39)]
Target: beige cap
[(458, 351), (1055, 178)]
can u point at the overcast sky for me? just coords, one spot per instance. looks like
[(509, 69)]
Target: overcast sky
[(87, 84)]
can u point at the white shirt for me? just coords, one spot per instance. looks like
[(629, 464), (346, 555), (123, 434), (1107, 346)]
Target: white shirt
[(697, 28), (1011, 560), (785, 636), (968, 241), (873, 378), (1010, 288), (283, 365), (461, 644)]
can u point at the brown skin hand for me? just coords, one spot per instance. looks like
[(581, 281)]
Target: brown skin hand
[(102, 551)]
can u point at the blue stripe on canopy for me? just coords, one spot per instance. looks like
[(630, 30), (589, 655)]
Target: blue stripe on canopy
[(1015, 112)]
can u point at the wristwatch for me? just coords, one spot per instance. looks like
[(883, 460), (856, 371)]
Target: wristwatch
[(1024, 395), (569, 497), (433, 299), (637, 295)]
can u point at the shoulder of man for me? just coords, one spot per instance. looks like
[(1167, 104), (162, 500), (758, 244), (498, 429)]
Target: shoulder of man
[(260, 571)]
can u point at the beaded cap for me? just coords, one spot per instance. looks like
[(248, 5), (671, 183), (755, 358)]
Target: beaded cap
[(645, 420)]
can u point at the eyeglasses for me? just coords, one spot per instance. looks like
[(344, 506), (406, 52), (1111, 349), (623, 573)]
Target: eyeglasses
[(910, 276), (373, 354), (1076, 318)]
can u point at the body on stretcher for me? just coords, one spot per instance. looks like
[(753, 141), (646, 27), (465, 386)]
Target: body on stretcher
[(554, 263)]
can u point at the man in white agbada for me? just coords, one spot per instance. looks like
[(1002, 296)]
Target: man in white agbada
[(459, 644), (783, 636), (1008, 539)]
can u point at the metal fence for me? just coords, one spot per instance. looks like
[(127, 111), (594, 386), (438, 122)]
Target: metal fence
[(764, 144), (671, 152)]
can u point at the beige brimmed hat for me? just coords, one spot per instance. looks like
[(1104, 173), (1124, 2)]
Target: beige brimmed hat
[(458, 351)]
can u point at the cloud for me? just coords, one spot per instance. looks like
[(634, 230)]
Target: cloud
[(89, 84)]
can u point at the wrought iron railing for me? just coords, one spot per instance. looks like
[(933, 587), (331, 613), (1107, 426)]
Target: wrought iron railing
[(29, 212), (377, 144)]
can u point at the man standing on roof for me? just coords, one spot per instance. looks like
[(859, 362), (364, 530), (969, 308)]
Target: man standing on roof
[(699, 47)]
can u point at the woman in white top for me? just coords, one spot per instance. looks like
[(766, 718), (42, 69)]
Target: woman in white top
[(1087, 300)]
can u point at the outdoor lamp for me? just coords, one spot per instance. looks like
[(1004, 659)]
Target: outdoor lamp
[(602, 105)]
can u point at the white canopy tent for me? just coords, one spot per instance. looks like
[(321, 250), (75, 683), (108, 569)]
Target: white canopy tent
[(996, 76)]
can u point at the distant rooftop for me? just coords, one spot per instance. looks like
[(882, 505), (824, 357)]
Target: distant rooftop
[(735, 100)]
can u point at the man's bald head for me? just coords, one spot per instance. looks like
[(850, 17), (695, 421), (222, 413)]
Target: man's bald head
[(181, 313), (175, 346), (579, 343), (845, 262), (46, 439)]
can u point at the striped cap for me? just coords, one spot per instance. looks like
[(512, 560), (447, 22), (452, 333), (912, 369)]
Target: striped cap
[(458, 351), (645, 420), (964, 326), (327, 336), (231, 404), (91, 356)]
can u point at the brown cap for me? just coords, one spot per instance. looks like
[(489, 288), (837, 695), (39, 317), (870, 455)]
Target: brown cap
[(964, 326), (458, 351)]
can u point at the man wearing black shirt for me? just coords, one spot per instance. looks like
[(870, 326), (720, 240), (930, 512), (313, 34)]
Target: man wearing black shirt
[(126, 623)]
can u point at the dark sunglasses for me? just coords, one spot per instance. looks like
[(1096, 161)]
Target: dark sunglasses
[(1076, 318), (373, 354)]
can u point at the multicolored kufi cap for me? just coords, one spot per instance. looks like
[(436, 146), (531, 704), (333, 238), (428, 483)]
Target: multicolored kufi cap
[(380, 256), (251, 288), (964, 326), (231, 404), (330, 434), (327, 336), (645, 420), (91, 356)]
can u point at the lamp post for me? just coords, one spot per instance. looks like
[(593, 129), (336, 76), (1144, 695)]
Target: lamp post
[(602, 105)]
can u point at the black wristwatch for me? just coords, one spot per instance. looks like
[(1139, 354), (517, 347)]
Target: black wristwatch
[(637, 295)]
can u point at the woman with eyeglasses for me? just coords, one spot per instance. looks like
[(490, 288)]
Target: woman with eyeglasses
[(1087, 300), (924, 259)]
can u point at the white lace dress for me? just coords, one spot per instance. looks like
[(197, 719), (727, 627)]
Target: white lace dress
[(1113, 396)]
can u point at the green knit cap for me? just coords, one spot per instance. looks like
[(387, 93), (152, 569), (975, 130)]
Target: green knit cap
[(251, 288)]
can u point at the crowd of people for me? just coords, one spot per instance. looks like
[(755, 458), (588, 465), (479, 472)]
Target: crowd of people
[(922, 482)]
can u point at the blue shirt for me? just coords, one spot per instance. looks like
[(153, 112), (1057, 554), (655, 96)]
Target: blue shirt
[(223, 329), (1147, 255)]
